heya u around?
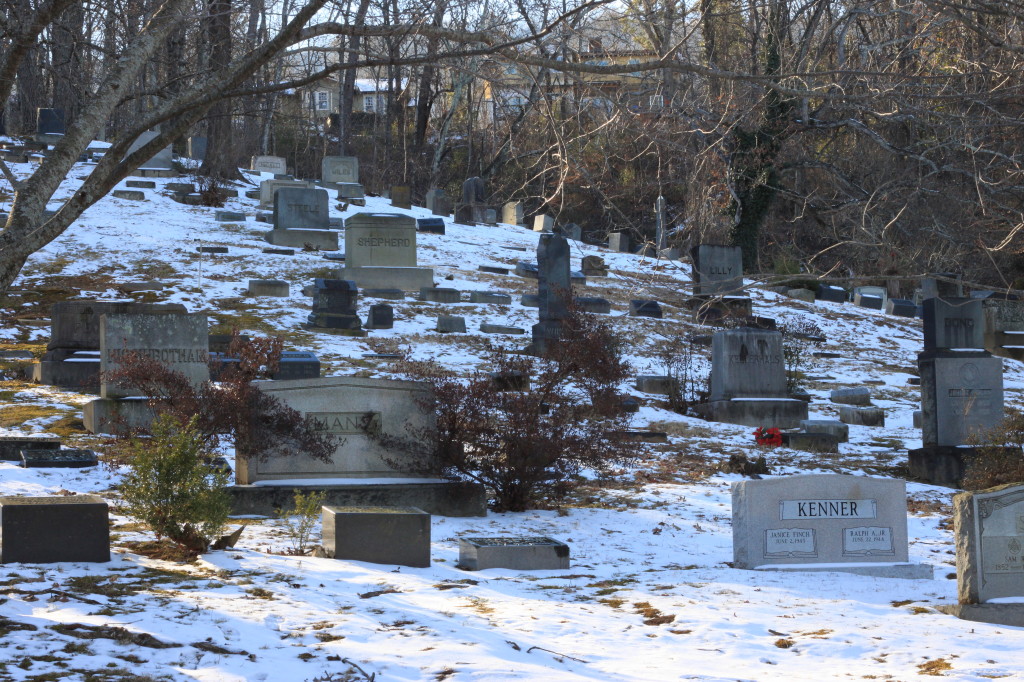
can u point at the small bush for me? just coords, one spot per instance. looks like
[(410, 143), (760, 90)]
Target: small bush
[(520, 444), (798, 337), (173, 489), (299, 522)]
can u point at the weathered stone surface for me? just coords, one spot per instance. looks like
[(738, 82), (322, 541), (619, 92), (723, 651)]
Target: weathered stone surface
[(380, 535), (543, 223), (870, 297), (651, 383), (440, 295), (642, 308), (961, 395), (833, 294), (490, 298), (593, 304), (430, 225), (268, 287), (130, 194), (858, 395), (229, 216), (381, 316), (296, 208), (938, 285), (401, 196), (515, 553), (554, 289), (269, 164), (346, 407), (901, 307), (717, 270), (178, 341), (40, 530), (811, 442), (269, 188), (488, 328), (212, 249), (831, 521), (805, 295), (594, 266), (340, 169), (52, 458), (953, 323), (747, 363), (620, 242), (140, 184), (320, 240), (832, 427), (512, 213), (862, 416), (451, 324), (989, 540), (11, 446), (334, 305)]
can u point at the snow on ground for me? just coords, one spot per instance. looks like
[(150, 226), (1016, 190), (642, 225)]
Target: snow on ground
[(650, 594)]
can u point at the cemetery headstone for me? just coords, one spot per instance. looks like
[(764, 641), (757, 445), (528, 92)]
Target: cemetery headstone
[(451, 324), (42, 530), (11, 446), (620, 241), (939, 286), (431, 198), (163, 160), (379, 535), (380, 252), (277, 165), (430, 225), (989, 558), (50, 122), (48, 458), (594, 266), (401, 196), (870, 297), (515, 553), (644, 308), (825, 522), (748, 381), (268, 188), (334, 306), (340, 169), (857, 395), (381, 316), (197, 147), (473, 191), (833, 294), (717, 270), (300, 209), (348, 408), (177, 341), (512, 213), (268, 287), (953, 323), (543, 223), (440, 295), (554, 288), (901, 307)]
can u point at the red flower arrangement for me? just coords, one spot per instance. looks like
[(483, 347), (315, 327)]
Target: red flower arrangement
[(767, 437)]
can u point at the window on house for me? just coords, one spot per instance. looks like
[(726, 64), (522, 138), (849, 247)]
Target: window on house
[(322, 101), (656, 101), (368, 104)]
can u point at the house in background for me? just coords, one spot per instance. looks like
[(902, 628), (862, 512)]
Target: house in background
[(369, 96)]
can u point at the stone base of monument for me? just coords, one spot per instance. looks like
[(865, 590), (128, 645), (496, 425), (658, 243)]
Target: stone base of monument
[(441, 498), (117, 415), (944, 464), (325, 240), (388, 277), (781, 413), (516, 553), (707, 310), (78, 374), (155, 173), (378, 534), (996, 614), (40, 530), (906, 571)]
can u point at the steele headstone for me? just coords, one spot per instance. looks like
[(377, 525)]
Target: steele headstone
[(300, 209)]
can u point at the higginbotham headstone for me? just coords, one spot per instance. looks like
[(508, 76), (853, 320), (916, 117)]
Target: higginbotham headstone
[(177, 341), (826, 522)]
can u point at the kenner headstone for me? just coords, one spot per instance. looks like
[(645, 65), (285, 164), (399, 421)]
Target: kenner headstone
[(823, 522)]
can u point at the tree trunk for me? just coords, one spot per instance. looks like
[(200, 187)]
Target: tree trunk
[(221, 161)]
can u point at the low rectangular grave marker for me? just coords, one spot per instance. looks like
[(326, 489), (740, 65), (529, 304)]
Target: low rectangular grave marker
[(379, 535), (517, 553)]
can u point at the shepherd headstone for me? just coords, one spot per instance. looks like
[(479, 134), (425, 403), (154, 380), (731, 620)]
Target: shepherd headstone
[(380, 252), (826, 522)]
